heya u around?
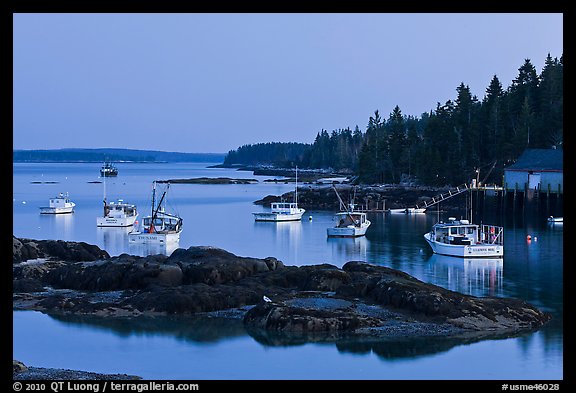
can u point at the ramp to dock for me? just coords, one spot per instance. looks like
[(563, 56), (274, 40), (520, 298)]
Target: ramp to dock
[(442, 197)]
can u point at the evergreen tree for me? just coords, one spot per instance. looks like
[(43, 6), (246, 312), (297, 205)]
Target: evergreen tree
[(397, 145)]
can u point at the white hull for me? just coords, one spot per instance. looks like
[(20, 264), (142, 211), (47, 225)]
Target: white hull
[(56, 210), (556, 220), (278, 216), (349, 231), (153, 238), (409, 210), (115, 221), (481, 250)]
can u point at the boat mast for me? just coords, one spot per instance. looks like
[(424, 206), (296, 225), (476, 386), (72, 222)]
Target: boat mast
[(104, 197), (296, 188), (343, 204), (155, 212)]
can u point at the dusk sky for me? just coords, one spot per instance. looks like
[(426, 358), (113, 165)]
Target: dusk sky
[(214, 82)]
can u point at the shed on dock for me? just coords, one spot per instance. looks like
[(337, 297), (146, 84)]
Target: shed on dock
[(540, 170)]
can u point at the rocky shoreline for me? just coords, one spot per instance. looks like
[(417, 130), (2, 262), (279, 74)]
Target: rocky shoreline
[(359, 307), (22, 372), (74, 278), (378, 198)]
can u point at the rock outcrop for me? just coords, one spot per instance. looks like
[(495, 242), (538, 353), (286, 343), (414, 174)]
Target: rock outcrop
[(25, 249), (358, 298), (323, 197)]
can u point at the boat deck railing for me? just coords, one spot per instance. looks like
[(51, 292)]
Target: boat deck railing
[(492, 234)]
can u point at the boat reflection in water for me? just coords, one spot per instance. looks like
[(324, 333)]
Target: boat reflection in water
[(471, 276), (283, 235), (59, 226), (355, 248), (145, 249), (113, 239)]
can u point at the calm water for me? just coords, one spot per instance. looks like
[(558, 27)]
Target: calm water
[(220, 216)]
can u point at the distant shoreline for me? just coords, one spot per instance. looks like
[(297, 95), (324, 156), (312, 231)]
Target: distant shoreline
[(112, 155)]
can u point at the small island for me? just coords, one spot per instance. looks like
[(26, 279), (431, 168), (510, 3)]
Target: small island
[(209, 180), (275, 301)]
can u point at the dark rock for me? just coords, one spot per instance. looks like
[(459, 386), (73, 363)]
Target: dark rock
[(389, 287), (18, 367), (25, 249), (323, 197), (26, 285), (305, 299), (302, 320), (211, 265)]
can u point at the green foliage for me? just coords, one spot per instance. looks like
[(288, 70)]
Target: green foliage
[(282, 154), (447, 145)]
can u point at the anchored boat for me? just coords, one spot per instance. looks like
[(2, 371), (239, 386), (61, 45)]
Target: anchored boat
[(59, 205), (108, 170), (460, 238), (349, 223), (283, 211), (117, 214), (160, 226)]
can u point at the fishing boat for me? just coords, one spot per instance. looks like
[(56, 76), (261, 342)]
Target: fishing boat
[(108, 170), (555, 220), (349, 223), (160, 226), (117, 214), (60, 204), (283, 211), (460, 238)]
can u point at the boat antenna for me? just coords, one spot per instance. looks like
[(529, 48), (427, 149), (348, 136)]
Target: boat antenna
[(296, 188), (104, 196)]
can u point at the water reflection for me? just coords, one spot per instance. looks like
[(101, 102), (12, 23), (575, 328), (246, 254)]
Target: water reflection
[(207, 329), (471, 276), (352, 248), (145, 249), (59, 226), (187, 328), (285, 236), (556, 226), (113, 240)]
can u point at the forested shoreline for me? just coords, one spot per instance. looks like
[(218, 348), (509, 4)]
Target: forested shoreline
[(459, 140)]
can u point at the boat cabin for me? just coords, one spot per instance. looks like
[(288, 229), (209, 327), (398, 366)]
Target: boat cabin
[(60, 201), (162, 224), (119, 209), (456, 232), (461, 232), (347, 219), (284, 207)]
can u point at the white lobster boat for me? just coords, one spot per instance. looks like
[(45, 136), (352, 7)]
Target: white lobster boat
[(159, 227), (283, 211), (349, 224), (460, 238), (59, 205), (117, 214)]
